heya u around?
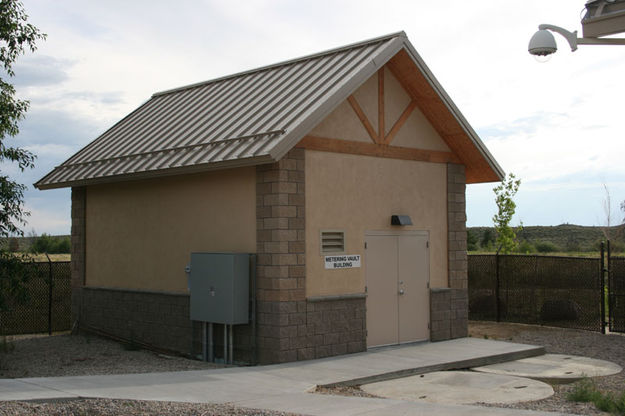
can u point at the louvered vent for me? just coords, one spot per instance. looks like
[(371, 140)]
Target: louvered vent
[(332, 241)]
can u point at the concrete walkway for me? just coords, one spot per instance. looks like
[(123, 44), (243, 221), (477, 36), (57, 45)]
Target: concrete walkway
[(285, 387)]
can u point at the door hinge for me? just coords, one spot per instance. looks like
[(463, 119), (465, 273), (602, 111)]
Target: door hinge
[(366, 289), (427, 244), (365, 245), (428, 285)]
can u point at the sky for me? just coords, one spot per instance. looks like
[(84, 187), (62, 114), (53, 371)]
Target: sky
[(558, 126)]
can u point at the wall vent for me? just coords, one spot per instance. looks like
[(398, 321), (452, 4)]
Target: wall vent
[(332, 241)]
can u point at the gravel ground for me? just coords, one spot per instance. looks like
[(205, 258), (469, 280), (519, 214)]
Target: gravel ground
[(75, 355), (562, 341), (106, 407), (64, 355)]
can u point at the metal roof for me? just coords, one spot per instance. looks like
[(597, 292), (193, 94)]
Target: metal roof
[(248, 118)]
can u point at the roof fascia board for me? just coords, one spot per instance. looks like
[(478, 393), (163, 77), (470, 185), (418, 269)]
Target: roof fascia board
[(161, 173), (316, 115), (454, 110)]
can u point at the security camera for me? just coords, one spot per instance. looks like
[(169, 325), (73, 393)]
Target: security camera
[(542, 43)]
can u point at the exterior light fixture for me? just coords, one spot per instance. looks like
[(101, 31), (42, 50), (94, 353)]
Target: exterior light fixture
[(603, 17), (401, 220)]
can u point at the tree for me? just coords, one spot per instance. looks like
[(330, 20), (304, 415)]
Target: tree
[(487, 239), (471, 241), (16, 37), (506, 207)]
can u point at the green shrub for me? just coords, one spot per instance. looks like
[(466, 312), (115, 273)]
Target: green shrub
[(471, 241), (585, 391), (546, 247), (526, 247), (50, 244)]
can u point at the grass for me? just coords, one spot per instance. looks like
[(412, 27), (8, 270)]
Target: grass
[(53, 257), (586, 391)]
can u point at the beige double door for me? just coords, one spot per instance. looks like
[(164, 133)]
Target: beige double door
[(397, 279)]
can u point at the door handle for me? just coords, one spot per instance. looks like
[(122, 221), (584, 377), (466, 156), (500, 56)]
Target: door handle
[(401, 291)]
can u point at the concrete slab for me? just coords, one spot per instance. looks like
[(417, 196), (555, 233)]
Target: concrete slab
[(554, 368), (461, 387), (285, 387), (323, 405), (400, 361)]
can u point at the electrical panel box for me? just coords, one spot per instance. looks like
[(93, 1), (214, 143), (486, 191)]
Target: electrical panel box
[(219, 287)]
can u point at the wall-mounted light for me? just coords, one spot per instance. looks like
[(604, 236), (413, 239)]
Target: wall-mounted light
[(401, 220)]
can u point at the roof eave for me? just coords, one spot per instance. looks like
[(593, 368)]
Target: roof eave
[(462, 121), (161, 173)]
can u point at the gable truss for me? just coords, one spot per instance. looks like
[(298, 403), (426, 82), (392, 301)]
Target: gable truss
[(380, 146)]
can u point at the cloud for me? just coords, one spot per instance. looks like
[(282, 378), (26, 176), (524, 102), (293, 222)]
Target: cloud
[(40, 70)]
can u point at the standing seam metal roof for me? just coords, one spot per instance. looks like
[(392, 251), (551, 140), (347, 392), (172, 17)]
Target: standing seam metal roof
[(242, 119)]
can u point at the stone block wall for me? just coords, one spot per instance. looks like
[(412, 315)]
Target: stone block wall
[(290, 327), (158, 320), (333, 327), (449, 308), (281, 269)]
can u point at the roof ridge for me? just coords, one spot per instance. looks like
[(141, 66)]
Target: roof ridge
[(282, 63)]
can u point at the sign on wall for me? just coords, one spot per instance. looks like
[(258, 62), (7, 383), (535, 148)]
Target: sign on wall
[(348, 261)]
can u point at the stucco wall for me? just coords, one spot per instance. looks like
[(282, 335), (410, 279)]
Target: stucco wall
[(343, 123), (359, 193), (140, 234)]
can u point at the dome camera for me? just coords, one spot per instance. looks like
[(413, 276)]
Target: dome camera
[(542, 43)]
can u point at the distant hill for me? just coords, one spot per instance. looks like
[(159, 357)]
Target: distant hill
[(566, 237)]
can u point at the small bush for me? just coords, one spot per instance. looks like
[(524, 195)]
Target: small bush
[(546, 247), (586, 392), (526, 247), (51, 244)]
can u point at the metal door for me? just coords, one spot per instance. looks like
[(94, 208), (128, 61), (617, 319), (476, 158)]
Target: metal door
[(397, 276)]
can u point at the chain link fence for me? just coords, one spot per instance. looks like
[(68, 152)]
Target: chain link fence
[(47, 306), (544, 290), (616, 294)]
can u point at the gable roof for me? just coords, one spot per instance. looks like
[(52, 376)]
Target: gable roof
[(257, 116)]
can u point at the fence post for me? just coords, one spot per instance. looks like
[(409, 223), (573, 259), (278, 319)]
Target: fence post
[(497, 301), (603, 270), (49, 295), (608, 273)]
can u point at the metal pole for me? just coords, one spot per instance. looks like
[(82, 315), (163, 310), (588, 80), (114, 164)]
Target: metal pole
[(231, 352), (603, 270), (609, 272), (211, 347), (225, 343), (253, 307), (50, 282), (497, 302), (204, 352)]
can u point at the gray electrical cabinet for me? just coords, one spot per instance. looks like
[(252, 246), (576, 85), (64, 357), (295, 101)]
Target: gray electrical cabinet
[(219, 287)]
